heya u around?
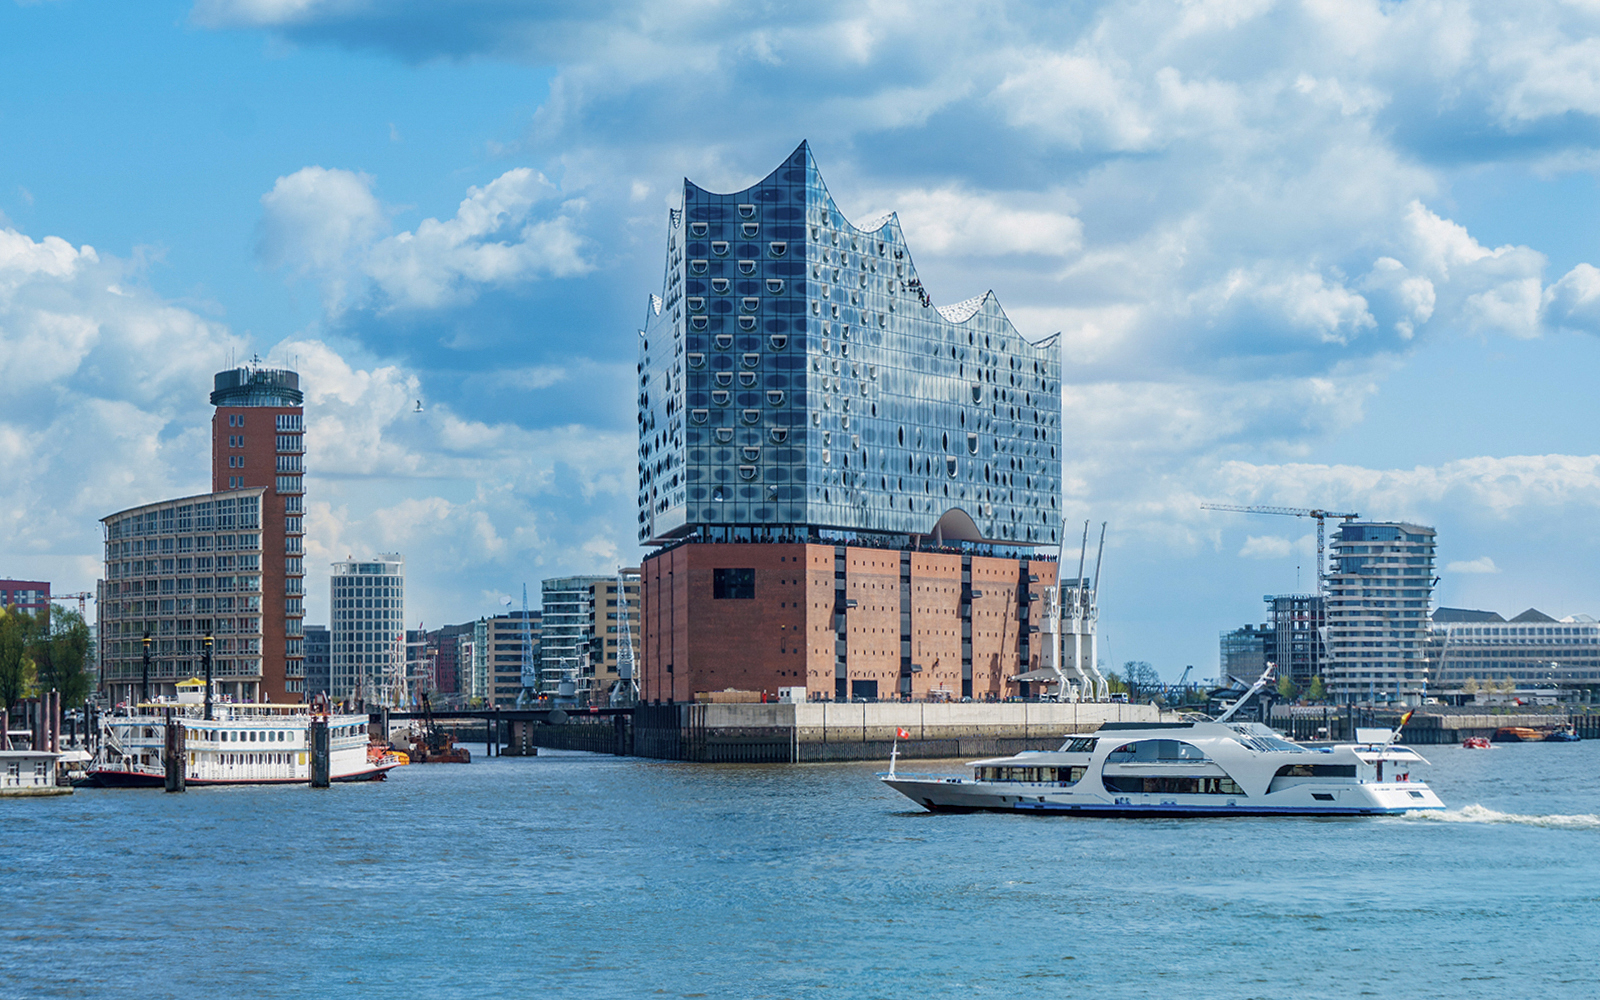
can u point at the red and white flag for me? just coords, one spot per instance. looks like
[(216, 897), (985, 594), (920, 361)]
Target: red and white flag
[(902, 734)]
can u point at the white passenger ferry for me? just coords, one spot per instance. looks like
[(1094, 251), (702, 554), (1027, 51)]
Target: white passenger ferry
[(242, 744), (1184, 769)]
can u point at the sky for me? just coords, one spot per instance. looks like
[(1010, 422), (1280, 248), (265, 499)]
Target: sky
[(1316, 254)]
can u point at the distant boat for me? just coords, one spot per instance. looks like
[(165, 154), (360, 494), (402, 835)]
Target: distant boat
[(1475, 743), (1518, 734), (1563, 736)]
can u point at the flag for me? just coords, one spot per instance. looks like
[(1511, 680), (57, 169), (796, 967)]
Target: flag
[(1406, 718), (902, 734)]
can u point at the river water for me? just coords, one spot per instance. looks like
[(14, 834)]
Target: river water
[(587, 876)]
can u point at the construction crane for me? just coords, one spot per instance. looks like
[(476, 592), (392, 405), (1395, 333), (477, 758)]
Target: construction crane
[(528, 674), (82, 596), (1320, 515), (627, 667)]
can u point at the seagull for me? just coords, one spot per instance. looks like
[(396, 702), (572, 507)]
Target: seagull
[(419, 407)]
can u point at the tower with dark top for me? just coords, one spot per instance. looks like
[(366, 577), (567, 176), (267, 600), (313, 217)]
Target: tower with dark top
[(258, 440)]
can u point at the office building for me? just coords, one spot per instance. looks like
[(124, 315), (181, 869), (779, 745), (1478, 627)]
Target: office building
[(317, 640), (1474, 650), (864, 463), (367, 652), (32, 596), (227, 564), (1245, 653), (1379, 595)]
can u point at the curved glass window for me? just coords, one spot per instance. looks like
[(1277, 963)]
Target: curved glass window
[(778, 248), (747, 379), (747, 472), (698, 228), (774, 286), (747, 266), (695, 303), (779, 434), (748, 211), (720, 285), (1155, 751), (752, 360), (723, 340), (747, 322), (778, 341), (750, 303), (720, 397), (699, 322), (750, 229), (719, 247), (696, 360), (752, 416), (724, 378), (775, 398)]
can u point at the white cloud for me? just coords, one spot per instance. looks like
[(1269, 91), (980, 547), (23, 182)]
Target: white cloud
[(1265, 547), (328, 225), (1480, 565)]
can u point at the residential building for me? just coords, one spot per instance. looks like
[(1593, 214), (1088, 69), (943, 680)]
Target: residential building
[(317, 676), (582, 628), (228, 564), (1476, 649), (367, 654), (1378, 599), (1245, 653), (434, 657), (177, 572), (847, 483), (32, 596), (501, 646)]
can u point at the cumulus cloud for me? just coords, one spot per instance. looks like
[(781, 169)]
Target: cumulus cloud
[(327, 224), (1265, 547), (1480, 565)]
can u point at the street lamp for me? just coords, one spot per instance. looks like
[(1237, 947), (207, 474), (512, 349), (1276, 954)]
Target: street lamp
[(205, 659), (144, 678)]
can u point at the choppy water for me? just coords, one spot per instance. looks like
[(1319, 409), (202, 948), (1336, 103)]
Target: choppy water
[(591, 876)]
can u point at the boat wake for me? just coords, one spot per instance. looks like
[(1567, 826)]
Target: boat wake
[(1481, 814)]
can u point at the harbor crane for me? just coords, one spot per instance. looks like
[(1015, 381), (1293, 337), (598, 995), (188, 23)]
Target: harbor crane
[(1318, 514)]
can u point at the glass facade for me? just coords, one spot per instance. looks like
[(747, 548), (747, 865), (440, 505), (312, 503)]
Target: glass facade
[(1531, 653), (367, 641), (794, 375)]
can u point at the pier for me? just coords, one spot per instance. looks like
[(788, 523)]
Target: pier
[(784, 733)]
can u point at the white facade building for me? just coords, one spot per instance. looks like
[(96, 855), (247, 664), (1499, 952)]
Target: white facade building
[(1379, 596), (367, 658)]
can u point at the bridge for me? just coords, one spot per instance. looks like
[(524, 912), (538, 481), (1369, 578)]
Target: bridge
[(510, 731)]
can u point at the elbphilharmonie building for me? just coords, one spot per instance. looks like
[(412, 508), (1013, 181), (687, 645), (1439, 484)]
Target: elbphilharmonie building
[(845, 483), (797, 380)]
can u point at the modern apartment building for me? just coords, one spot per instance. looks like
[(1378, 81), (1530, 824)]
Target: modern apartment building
[(1379, 595), (499, 648), (227, 564), (583, 625), (367, 654), (848, 483)]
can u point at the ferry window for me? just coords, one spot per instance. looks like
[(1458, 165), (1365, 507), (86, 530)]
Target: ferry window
[(1154, 750), (733, 584), (1080, 746)]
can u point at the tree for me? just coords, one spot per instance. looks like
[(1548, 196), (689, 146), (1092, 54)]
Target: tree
[(1286, 688), (59, 651), (1115, 683), (16, 668), (1141, 679), (1317, 691), (1471, 685)]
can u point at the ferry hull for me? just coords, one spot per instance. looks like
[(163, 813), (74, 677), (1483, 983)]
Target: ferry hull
[(961, 795), (139, 779)]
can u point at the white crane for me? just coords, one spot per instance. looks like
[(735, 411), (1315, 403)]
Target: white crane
[(627, 667)]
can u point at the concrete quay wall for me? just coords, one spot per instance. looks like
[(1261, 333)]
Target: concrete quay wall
[(845, 722)]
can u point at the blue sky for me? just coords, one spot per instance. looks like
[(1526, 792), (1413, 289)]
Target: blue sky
[(1305, 254)]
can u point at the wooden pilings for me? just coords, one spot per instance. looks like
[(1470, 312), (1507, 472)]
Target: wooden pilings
[(176, 753), (321, 754)]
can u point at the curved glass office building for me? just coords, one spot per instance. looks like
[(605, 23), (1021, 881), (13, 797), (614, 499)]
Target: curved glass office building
[(796, 380)]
